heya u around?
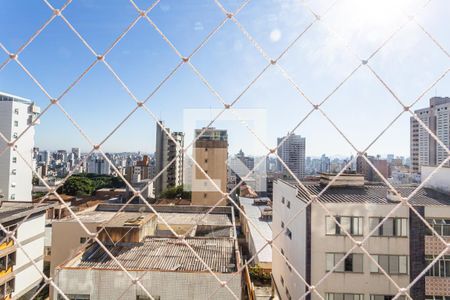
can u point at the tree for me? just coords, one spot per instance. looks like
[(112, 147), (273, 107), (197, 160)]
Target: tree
[(77, 186), (176, 192)]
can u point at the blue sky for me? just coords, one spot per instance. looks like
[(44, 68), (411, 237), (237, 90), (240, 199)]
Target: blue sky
[(318, 62)]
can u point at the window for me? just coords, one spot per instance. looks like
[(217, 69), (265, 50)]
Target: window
[(441, 268), (16, 123), (391, 264), (16, 111), (15, 135), (352, 263), (341, 296), (14, 160), (353, 225), (283, 200), (83, 240), (145, 297), (288, 204), (441, 226), (10, 287), (289, 233), (282, 280), (437, 297), (385, 297), (13, 171), (206, 160), (282, 224), (13, 196), (390, 227)]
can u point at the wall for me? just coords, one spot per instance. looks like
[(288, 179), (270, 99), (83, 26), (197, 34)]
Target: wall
[(103, 284), (31, 235), (295, 249)]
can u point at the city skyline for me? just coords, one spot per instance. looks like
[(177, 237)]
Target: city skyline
[(98, 99)]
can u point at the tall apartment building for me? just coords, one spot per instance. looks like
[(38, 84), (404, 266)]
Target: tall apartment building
[(18, 276), (292, 152), (424, 149), (16, 114), (211, 153), (313, 244), (166, 151), (98, 165)]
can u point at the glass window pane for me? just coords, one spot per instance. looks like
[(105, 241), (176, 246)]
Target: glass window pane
[(373, 222), (331, 226), (373, 266), (348, 297), (358, 263), (404, 227), (338, 296), (403, 264), (383, 261), (388, 227), (341, 266), (330, 261), (393, 264), (345, 224)]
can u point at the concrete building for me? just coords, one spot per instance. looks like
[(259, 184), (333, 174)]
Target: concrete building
[(424, 149), (169, 271), (292, 152), (16, 114), (313, 244), (18, 276), (363, 167), (211, 153), (98, 165), (166, 151)]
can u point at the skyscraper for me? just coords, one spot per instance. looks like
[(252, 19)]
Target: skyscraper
[(425, 151), (16, 114), (292, 152), (167, 151), (211, 153)]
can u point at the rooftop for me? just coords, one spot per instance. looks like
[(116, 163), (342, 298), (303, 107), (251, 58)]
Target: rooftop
[(129, 219), (374, 193), (161, 254), (12, 210), (265, 227), (9, 97)]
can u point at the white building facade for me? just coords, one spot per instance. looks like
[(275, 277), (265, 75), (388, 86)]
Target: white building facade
[(16, 114)]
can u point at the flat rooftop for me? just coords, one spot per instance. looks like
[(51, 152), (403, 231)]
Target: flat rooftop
[(161, 254), (129, 219), (265, 227), (373, 193), (11, 210)]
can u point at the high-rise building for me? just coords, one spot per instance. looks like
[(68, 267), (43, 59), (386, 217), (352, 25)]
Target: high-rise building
[(425, 151), (168, 149), (77, 154), (211, 153), (292, 152), (382, 165), (16, 114)]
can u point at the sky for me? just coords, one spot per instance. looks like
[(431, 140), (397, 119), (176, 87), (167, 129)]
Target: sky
[(318, 62)]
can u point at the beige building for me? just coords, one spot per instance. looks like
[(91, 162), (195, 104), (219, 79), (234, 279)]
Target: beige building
[(211, 153), (147, 248), (313, 244)]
